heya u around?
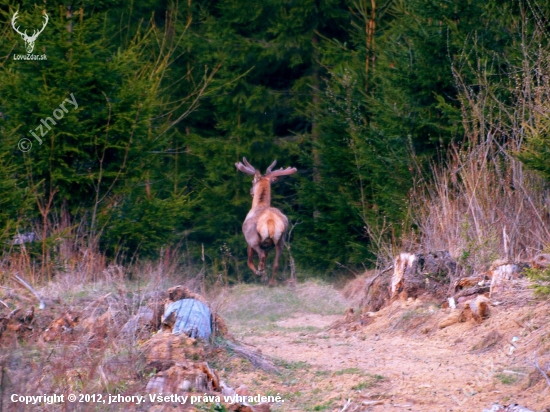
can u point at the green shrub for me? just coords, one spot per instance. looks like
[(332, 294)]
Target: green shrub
[(541, 280)]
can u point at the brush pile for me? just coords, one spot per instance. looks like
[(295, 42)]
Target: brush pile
[(145, 349), (437, 277)]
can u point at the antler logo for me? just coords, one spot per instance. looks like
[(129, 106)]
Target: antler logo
[(29, 40)]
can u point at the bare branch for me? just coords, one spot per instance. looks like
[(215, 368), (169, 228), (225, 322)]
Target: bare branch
[(536, 365), (34, 292)]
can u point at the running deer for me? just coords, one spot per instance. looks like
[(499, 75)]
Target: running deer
[(264, 226)]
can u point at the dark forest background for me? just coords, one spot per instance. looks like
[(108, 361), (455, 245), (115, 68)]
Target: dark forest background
[(368, 99)]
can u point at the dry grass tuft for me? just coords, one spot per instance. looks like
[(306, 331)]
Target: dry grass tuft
[(488, 342), (483, 206), (480, 203), (354, 291)]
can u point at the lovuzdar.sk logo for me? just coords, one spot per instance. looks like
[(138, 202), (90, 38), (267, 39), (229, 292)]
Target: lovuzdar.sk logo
[(29, 40)]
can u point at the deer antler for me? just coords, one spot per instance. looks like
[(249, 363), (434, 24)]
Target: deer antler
[(268, 171), (36, 33), (15, 28), (282, 172), (246, 168), (248, 164)]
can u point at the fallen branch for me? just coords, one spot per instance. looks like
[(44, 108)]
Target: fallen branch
[(371, 280), (536, 365), (471, 291), (348, 403), (34, 292), (13, 313), (253, 356)]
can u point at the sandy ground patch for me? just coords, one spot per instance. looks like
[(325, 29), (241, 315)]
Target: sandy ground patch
[(402, 361)]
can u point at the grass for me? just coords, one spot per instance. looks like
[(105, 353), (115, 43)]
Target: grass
[(506, 379), (412, 319), (372, 381), (73, 291), (323, 407), (292, 365), (541, 280), (349, 371), (247, 307)]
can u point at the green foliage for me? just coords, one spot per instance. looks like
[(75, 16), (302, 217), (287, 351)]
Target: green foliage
[(171, 95), (14, 202), (541, 280), (145, 225), (324, 406), (349, 371), (372, 381), (506, 379), (93, 159), (536, 153)]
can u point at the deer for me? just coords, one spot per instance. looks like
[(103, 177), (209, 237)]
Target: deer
[(29, 40), (264, 227)]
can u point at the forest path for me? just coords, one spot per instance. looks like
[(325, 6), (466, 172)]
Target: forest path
[(401, 361)]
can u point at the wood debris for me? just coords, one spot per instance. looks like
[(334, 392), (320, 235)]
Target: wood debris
[(475, 309), (17, 321), (62, 326), (541, 261), (501, 274), (510, 408)]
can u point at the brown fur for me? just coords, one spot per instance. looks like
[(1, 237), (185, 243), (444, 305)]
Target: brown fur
[(271, 228), (267, 244)]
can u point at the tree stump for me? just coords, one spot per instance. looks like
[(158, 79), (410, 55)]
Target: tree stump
[(418, 273)]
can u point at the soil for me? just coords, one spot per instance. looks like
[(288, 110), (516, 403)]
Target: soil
[(396, 359), (403, 361)]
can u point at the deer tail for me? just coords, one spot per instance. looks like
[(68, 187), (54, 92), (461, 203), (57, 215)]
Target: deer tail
[(271, 228), (268, 234)]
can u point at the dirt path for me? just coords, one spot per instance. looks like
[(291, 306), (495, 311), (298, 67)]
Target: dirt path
[(402, 361)]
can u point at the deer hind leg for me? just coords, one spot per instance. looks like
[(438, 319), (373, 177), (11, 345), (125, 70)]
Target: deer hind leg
[(278, 247), (251, 260), (261, 266)]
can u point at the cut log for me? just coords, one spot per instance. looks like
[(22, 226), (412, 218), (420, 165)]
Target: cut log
[(480, 308), (475, 290), (254, 356)]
